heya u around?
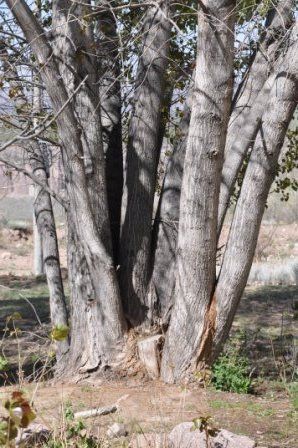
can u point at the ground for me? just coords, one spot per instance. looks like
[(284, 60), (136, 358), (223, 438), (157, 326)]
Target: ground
[(155, 407), (264, 325)]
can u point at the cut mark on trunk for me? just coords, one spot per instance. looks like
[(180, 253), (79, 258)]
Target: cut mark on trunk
[(206, 343)]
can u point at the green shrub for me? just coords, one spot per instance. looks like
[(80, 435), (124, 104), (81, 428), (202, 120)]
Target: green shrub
[(231, 371)]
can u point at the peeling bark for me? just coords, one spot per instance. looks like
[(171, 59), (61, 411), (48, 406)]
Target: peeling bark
[(208, 333)]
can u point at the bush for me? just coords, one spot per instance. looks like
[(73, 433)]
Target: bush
[(231, 371)]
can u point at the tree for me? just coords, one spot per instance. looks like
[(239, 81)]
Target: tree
[(159, 274), (44, 221)]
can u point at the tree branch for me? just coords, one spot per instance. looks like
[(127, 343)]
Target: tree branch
[(36, 180)]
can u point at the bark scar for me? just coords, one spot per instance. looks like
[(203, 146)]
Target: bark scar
[(208, 333)]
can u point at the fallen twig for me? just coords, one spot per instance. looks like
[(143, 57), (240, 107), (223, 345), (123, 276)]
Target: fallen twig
[(97, 411), (100, 411)]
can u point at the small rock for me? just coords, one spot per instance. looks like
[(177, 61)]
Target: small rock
[(226, 439), (183, 436), (5, 256), (117, 430), (35, 433)]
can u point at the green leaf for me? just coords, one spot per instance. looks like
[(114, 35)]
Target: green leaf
[(59, 332)]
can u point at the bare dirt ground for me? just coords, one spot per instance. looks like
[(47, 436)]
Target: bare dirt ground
[(147, 407), (265, 319)]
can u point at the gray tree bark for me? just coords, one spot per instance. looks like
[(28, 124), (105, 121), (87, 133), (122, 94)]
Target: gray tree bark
[(110, 97), (251, 204), (197, 240), (46, 243), (251, 98), (165, 228), (104, 318), (142, 159), (257, 79), (45, 222), (37, 238), (38, 267)]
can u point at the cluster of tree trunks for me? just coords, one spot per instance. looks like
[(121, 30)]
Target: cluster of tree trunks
[(126, 267)]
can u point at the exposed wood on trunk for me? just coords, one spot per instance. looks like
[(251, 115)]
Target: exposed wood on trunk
[(209, 329), (196, 253), (38, 267), (150, 354), (142, 159)]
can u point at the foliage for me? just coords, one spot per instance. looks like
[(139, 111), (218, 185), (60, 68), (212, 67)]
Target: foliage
[(205, 424), (75, 433), (4, 364), (59, 332), (293, 393), (231, 371), (288, 163)]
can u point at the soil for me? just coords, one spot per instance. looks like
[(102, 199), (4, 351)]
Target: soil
[(147, 406)]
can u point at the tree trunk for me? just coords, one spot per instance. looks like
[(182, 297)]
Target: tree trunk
[(37, 238), (89, 215), (242, 118), (165, 228), (38, 267), (196, 254), (73, 48), (110, 97), (251, 204), (142, 159), (45, 222), (251, 98), (46, 251)]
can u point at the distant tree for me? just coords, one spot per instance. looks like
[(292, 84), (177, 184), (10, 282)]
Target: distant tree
[(117, 76)]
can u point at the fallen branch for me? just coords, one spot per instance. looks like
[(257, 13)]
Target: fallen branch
[(97, 411), (100, 411)]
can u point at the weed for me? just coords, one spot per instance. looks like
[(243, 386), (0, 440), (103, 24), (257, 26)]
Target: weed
[(292, 390), (231, 371), (4, 364), (205, 424)]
